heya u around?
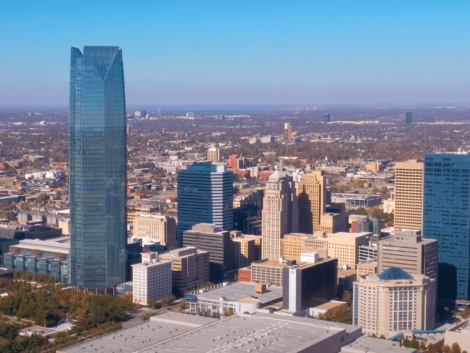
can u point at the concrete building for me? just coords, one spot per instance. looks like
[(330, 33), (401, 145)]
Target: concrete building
[(49, 257), (152, 279), (393, 302), (353, 201), (344, 247), (280, 213), (213, 154), (311, 194), (366, 268), (190, 268), (259, 332), (307, 285), (335, 219), (292, 245), (211, 238), (367, 344), (389, 204), (268, 271), (243, 250), (157, 227), (413, 253), (460, 334), (367, 253), (239, 297), (409, 194), (346, 278)]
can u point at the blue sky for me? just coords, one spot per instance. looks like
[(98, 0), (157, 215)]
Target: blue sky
[(244, 51)]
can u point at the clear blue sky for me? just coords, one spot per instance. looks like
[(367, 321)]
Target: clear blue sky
[(243, 51)]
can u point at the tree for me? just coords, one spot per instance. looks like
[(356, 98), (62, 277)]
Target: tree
[(360, 211), (347, 297), (455, 348), (414, 344), (446, 349), (406, 343), (229, 312)]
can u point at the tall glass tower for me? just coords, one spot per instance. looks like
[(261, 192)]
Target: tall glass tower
[(205, 195), (97, 143), (447, 218)]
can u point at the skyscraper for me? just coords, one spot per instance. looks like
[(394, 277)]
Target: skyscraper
[(205, 195), (447, 218), (97, 143), (280, 213), (327, 118), (409, 117), (311, 193), (409, 179)]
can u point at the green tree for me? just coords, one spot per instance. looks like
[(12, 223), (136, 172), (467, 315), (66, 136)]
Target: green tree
[(455, 348), (406, 343)]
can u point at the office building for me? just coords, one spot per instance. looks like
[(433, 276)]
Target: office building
[(367, 253), (210, 238), (409, 117), (326, 118), (280, 213), (156, 227), (335, 219), (243, 250), (366, 267), (210, 187), (190, 268), (213, 154), (393, 302), (411, 252), (288, 129), (309, 284), (344, 247), (97, 145), (48, 257), (446, 218), (346, 278), (293, 245), (353, 201), (409, 186), (268, 271), (311, 193), (152, 279)]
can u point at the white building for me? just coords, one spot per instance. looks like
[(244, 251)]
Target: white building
[(152, 279)]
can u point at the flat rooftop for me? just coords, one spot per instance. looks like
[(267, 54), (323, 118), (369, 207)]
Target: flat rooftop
[(366, 344), (350, 235), (269, 263), (330, 305), (242, 290)]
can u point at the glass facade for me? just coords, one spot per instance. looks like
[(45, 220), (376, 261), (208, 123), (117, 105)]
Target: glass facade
[(205, 195), (97, 143), (446, 218)]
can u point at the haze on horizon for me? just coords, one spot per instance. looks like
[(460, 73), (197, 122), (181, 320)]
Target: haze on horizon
[(245, 52)]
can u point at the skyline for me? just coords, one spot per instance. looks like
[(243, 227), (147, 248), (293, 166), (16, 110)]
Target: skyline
[(267, 53)]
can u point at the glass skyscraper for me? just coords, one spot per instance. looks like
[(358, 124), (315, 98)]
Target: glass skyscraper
[(97, 143), (447, 218), (205, 195)]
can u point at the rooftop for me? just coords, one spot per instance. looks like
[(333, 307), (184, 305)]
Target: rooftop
[(242, 290), (394, 273), (366, 344), (350, 235)]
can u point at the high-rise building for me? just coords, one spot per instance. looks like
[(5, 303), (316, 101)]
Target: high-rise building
[(190, 268), (156, 227), (213, 154), (447, 219), (344, 247), (327, 118), (210, 238), (409, 117), (288, 128), (394, 301), (409, 181), (311, 193), (411, 252), (307, 285), (205, 195), (97, 144), (152, 279), (280, 213)]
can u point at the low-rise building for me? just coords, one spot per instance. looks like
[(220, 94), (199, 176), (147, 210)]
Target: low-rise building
[(239, 297), (346, 278), (267, 271), (366, 268), (152, 279)]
